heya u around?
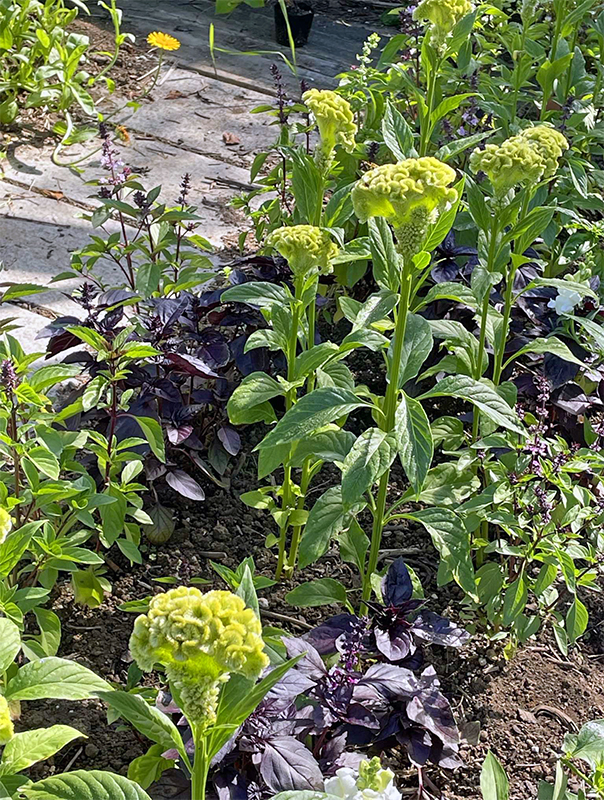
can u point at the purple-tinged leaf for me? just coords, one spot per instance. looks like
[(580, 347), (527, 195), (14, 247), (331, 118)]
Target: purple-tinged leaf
[(432, 711), (388, 681), (433, 628), (323, 638), (177, 435), (397, 587), (311, 664), (185, 485), (231, 441), (287, 764), (395, 643), (191, 365)]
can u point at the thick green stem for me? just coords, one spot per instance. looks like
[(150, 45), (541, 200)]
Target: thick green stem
[(390, 406), (201, 765)]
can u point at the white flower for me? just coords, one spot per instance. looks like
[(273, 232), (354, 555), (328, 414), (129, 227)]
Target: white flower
[(6, 524), (565, 301), (372, 783)]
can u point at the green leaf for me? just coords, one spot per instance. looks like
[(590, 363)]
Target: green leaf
[(248, 402), (10, 643), (147, 719), (417, 346), (307, 187), (550, 345), (494, 783), (45, 377), (15, 545), (397, 134), (326, 519), (310, 413), (592, 328), (50, 630), (83, 785), (146, 770), (385, 259), (452, 541), (44, 461), (321, 592), (258, 294), (482, 395), (18, 290), (247, 591), (450, 291), (588, 744), (27, 748), (370, 456), (577, 618), (153, 433), (55, 678), (514, 600), (414, 440), (329, 445), (354, 544)]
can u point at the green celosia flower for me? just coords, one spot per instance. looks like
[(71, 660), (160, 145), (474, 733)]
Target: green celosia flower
[(306, 248), (509, 164), (410, 195), (6, 524), (443, 16), (549, 144), (6, 724), (334, 119), (200, 639)]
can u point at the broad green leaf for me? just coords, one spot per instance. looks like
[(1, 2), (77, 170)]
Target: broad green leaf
[(10, 643), (248, 403), (247, 591), (417, 346), (385, 259), (482, 395), (50, 630), (354, 544), (55, 678), (147, 719), (588, 744), (146, 770), (321, 592), (310, 413), (577, 618), (327, 518), (457, 292), (45, 377), (592, 328), (514, 600), (550, 345), (45, 461), (397, 134), (15, 545), (154, 434), (494, 783), (414, 440), (27, 748), (258, 294), (370, 456), (84, 785), (376, 308), (452, 541), (329, 445)]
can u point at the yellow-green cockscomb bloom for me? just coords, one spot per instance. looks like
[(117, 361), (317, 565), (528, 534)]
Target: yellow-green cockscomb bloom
[(306, 248), (200, 639), (410, 195), (549, 144), (511, 163), (6, 724), (443, 16), (334, 119), (6, 524)]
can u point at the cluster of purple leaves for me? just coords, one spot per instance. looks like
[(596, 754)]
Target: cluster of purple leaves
[(202, 342), (355, 686)]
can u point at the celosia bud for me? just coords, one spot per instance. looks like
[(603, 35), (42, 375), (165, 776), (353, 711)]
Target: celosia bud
[(306, 248), (549, 144), (443, 16), (6, 724), (512, 163), (410, 195), (6, 524), (334, 119), (200, 639)]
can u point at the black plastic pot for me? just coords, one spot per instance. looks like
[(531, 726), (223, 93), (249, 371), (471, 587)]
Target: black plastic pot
[(300, 18)]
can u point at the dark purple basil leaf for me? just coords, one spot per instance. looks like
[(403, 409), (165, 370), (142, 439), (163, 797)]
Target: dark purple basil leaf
[(185, 485), (358, 714), (396, 643), (287, 764), (154, 469), (433, 628), (203, 397), (397, 587), (169, 310), (432, 711), (291, 685), (191, 365), (60, 342), (389, 681), (323, 638), (215, 354), (177, 435), (573, 399), (231, 441), (256, 360), (558, 371), (231, 784), (418, 743), (237, 276), (311, 664), (166, 389), (444, 271), (210, 299), (113, 297)]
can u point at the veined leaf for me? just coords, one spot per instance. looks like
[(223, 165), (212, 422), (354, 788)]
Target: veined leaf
[(327, 518), (370, 456), (85, 785), (29, 747), (55, 678), (414, 440)]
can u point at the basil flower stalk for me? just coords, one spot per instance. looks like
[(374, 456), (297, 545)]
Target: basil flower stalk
[(335, 121), (410, 195)]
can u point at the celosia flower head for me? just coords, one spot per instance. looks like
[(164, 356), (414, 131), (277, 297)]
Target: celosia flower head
[(514, 162), (443, 16), (306, 248), (410, 195), (6, 724), (6, 524), (549, 144), (200, 639), (371, 783), (334, 119)]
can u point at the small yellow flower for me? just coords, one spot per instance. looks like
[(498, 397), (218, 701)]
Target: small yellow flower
[(163, 40)]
